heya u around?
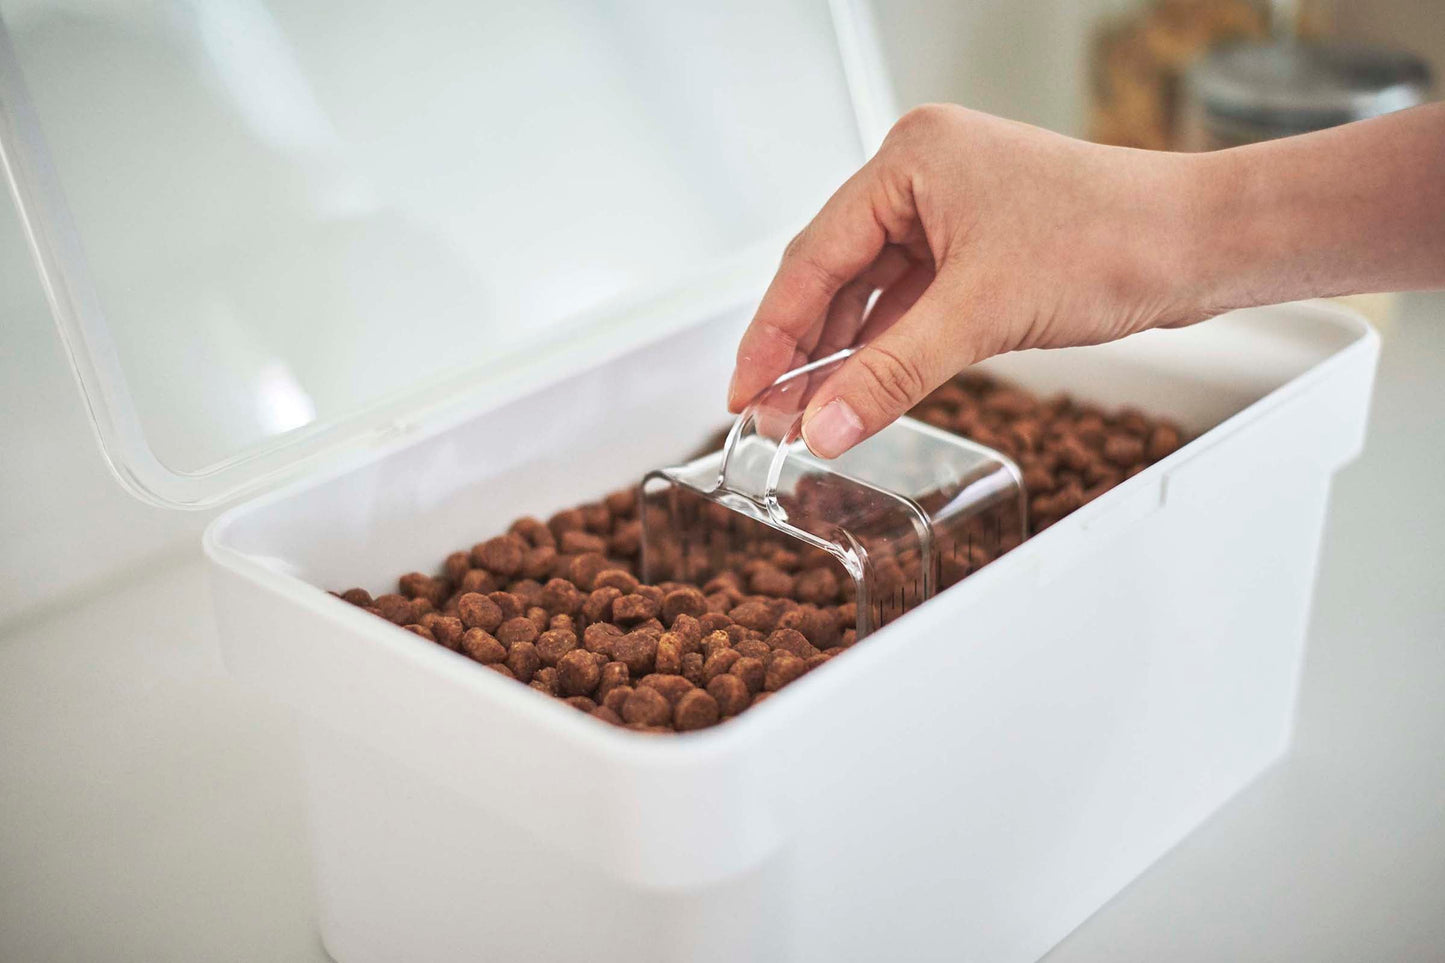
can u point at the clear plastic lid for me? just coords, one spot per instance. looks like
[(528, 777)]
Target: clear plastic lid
[(272, 231), (899, 517)]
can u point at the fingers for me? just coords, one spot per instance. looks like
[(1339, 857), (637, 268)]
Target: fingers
[(843, 240), (890, 374), (845, 313)]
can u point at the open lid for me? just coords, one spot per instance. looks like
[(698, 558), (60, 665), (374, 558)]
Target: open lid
[(274, 232)]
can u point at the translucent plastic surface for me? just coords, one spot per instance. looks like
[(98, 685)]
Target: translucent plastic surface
[(270, 229), (904, 515)]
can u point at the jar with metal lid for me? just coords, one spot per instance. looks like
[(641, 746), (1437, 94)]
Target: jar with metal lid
[(1243, 93), (1250, 92)]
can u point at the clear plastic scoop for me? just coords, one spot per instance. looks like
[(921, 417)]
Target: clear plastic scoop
[(903, 515)]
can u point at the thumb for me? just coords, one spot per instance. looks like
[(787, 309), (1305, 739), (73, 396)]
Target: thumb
[(891, 373)]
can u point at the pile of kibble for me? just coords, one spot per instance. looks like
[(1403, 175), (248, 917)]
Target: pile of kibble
[(557, 605)]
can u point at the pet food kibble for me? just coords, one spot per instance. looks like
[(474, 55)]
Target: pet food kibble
[(563, 622), (581, 703), (606, 715), (599, 636), (770, 581), (627, 538), (634, 608), (482, 646), (545, 680), (1163, 441), (673, 687), (510, 604), (479, 611), (523, 660), (754, 648), (597, 607), (612, 675), (585, 568), (751, 671), (696, 710), (718, 663), (690, 631), (813, 661), (569, 520), (754, 615), (669, 654), (561, 596), (1123, 450), (817, 586), (539, 617), (683, 601), (534, 532), (622, 503), (513, 631), (577, 672), (624, 582), (692, 665), (783, 669), (446, 630), (596, 518), (616, 697), (712, 621), (638, 650), (715, 643), (578, 542), (731, 693), (501, 555), (791, 640), (415, 585), (357, 596), (394, 608), (647, 707), (538, 562), (502, 669), (422, 631), (529, 590), (478, 580), (553, 644)]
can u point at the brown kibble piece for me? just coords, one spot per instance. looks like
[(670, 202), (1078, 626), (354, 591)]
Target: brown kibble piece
[(545, 680), (692, 665), (479, 611), (581, 703), (446, 630), (537, 534), (482, 646), (561, 596), (580, 542), (501, 555), (357, 596), (1164, 440), (712, 621), (422, 631), (719, 663), (523, 660), (689, 629), (607, 715), (513, 631), (715, 643), (791, 640), (624, 582), (751, 671), (478, 580), (627, 538), (752, 648), (1123, 450), (599, 636), (577, 673), (553, 644), (501, 669), (538, 562), (695, 710), (731, 693), (610, 676), (669, 654), (538, 616), (510, 604), (673, 687), (633, 608), (394, 608), (683, 601), (783, 669), (585, 568), (754, 615), (817, 586), (647, 707), (767, 580), (638, 650)]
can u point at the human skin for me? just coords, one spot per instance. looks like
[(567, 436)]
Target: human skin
[(980, 235)]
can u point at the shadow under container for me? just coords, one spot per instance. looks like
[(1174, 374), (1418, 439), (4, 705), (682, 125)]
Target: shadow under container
[(971, 782)]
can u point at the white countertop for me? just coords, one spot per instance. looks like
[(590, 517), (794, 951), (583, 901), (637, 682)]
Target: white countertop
[(151, 807)]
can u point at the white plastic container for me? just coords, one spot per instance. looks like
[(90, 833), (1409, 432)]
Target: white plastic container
[(433, 267), (970, 783)]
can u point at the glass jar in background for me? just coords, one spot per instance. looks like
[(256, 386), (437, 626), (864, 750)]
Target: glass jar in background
[(1250, 92)]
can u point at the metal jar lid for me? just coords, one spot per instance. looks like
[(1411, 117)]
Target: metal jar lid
[(1266, 90)]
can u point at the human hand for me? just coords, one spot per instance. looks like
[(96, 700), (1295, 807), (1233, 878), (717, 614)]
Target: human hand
[(980, 236)]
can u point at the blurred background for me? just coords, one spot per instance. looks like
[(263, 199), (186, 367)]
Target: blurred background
[(111, 845)]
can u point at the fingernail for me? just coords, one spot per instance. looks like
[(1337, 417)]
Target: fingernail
[(833, 429)]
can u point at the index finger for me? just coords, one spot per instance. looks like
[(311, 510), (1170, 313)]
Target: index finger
[(841, 241)]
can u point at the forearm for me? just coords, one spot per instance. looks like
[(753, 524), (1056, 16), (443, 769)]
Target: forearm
[(1350, 210)]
